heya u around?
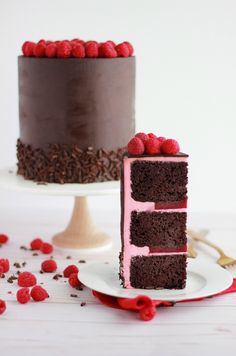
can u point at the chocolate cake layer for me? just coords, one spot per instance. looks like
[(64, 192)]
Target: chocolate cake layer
[(68, 164), (158, 229), (86, 102), (159, 181), (158, 272)]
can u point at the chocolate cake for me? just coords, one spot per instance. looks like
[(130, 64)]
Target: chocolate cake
[(153, 220), (76, 114)]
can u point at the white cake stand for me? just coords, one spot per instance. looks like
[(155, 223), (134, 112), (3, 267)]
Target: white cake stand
[(80, 233)]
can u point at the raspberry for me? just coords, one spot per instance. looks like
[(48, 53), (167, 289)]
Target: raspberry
[(136, 146), (39, 50), (39, 294), (64, 49), (36, 244), (49, 266), (112, 43), (161, 139), (26, 279), (78, 51), (1, 271), (152, 135), (107, 50), (51, 50), (170, 147), (74, 280), (142, 136), (4, 263), (69, 270), (152, 146), (3, 306), (122, 50), (23, 295), (46, 248), (28, 48), (91, 49), (3, 239), (42, 42), (130, 47)]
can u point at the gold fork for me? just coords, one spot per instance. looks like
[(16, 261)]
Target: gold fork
[(191, 244), (223, 260)]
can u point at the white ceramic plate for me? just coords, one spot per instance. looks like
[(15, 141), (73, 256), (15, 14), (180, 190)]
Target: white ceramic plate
[(203, 279)]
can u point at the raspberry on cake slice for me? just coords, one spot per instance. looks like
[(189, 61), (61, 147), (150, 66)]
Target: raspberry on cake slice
[(153, 214)]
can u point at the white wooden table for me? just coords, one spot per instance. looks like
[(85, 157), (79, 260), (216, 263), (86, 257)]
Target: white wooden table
[(60, 326)]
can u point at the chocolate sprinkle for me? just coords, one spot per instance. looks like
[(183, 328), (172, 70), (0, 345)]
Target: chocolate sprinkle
[(74, 295), (17, 265), (57, 276), (81, 261), (83, 304), (68, 164), (11, 279)]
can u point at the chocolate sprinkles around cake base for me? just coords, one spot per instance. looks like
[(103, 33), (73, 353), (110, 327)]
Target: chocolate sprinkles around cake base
[(68, 164)]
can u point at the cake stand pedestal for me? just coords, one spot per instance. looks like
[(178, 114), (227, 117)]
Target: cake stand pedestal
[(81, 233)]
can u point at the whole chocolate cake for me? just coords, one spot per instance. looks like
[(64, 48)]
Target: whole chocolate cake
[(76, 110), (153, 214)]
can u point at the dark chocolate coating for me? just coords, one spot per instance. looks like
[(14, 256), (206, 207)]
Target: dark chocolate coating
[(88, 102)]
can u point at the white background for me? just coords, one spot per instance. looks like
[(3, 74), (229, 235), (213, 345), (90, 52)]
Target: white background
[(186, 75)]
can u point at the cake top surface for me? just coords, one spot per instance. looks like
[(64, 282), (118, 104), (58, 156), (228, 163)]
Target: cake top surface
[(77, 48), (147, 145)]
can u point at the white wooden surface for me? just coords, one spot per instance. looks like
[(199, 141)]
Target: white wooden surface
[(60, 326)]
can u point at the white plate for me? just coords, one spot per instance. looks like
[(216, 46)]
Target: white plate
[(203, 280)]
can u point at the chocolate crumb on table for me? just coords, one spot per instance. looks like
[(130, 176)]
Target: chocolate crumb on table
[(17, 265), (74, 296), (81, 261), (82, 304)]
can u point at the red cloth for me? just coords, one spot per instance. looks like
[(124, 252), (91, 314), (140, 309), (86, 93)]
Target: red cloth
[(145, 305)]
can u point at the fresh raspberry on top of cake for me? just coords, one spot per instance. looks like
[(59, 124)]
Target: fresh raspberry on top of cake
[(170, 147), (136, 146)]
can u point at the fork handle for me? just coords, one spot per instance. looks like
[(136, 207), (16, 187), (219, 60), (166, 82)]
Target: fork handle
[(209, 243)]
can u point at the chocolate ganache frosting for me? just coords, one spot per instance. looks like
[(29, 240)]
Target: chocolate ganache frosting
[(76, 117)]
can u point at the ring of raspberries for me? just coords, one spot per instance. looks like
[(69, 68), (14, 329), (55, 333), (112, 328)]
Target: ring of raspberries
[(151, 144), (77, 48)]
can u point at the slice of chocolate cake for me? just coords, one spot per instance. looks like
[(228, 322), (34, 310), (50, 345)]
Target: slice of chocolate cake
[(153, 221)]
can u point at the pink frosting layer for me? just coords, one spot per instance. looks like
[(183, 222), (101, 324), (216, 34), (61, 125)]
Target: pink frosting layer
[(129, 205)]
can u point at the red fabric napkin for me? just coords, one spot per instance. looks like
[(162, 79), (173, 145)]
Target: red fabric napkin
[(145, 306)]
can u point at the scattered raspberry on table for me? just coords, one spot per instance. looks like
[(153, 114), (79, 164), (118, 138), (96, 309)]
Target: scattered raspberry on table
[(26, 279), (69, 270)]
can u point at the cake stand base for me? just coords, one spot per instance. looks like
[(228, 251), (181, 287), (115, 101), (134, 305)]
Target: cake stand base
[(81, 233)]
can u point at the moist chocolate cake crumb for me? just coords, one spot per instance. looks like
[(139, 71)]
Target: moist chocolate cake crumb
[(164, 181), (17, 265), (41, 272), (24, 264), (68, 164), (158, 272), (24, 248), (82, 304), (18, 272), (68, 257), (158, 229)]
